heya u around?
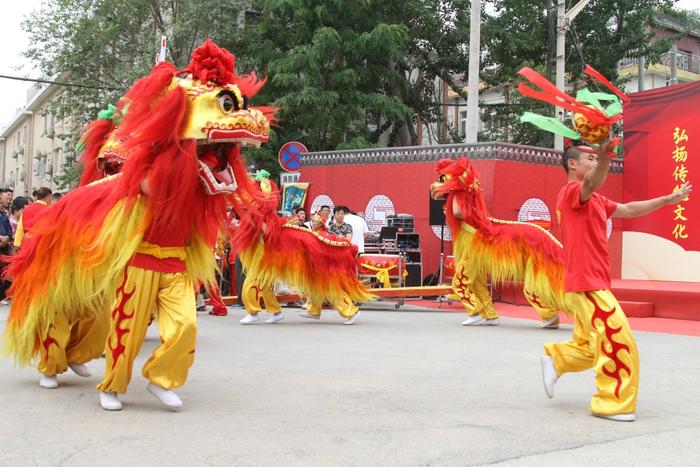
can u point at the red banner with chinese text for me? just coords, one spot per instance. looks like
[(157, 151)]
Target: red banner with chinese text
[(662, 150)]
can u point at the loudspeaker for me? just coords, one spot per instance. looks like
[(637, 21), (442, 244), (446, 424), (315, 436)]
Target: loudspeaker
[(413, 256), (407, 240), (415, 275), (437, 215)]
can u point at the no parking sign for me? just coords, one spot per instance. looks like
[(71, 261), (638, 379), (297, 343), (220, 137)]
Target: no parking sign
[(290, 156)]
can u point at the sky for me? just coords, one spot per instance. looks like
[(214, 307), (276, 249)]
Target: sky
[(13, 93)]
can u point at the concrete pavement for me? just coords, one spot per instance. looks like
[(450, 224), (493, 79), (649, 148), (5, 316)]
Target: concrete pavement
[(398, 388)]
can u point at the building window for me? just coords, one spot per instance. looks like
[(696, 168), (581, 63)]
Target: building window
[(463, 123)]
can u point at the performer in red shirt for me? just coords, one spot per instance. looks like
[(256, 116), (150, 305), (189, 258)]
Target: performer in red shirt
[(602, 338)]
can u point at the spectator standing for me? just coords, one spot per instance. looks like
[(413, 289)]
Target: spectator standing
[(31, 214), (5, 200), (360, 229), (16, 209), (338, 226), (5, 250)]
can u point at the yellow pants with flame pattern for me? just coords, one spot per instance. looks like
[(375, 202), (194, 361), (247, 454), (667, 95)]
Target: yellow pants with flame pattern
[(71, 342), (470, 289), (141, 292), (251, 295), (346, 308), (602, 341)]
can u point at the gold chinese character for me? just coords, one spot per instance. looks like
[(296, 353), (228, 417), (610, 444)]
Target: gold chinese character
[(678, 187), (679, 135), (679, 213), (680, 172), (680, 154), (679, 231)]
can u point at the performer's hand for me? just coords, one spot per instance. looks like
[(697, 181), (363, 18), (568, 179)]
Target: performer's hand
[(605, 149), (680, 195)]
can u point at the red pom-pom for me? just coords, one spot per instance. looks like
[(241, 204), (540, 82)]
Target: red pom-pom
[(212, 63)]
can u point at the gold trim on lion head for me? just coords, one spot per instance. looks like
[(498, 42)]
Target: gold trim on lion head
[(221, 114)]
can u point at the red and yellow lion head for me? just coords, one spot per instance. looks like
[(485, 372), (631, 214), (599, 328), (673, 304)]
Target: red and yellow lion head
[(455, 175), (459, 183), (204, 109)]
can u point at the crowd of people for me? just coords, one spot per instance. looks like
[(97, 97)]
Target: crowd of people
[(17, 216), (344, 223)]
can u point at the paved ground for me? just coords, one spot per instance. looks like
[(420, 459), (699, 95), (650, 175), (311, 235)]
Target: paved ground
[(397, 388)]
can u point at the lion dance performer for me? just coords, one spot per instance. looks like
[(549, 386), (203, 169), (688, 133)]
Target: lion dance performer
[(504, 250), (141, 240), (252, 293), (602, 338), (72, 341), (318, 267)]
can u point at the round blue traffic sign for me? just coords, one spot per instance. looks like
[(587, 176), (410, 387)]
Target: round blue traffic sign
[(290, 156)]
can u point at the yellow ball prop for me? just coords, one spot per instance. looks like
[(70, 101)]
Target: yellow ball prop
[(590, 133)]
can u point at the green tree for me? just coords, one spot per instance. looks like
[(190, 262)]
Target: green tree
[(106, 45), (516, 34), (355, 73)]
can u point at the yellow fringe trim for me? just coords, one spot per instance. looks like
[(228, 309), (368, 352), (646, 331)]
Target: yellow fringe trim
[(85, 283), (162, 252)]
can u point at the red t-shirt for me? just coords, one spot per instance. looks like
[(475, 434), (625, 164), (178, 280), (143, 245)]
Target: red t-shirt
[(584, 233)]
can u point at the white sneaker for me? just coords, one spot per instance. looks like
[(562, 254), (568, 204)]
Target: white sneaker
[(353, 318), (472, 320), (80, 369), (308, 315), (549, 375), (276, 318), (490, 322), (110, 401), (249, 319), (48, 382), (618, 417), (166, 396), (551, 323)]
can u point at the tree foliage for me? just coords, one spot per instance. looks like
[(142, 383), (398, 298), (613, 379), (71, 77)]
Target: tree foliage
[(516, 34), (106, 45), (344, 73), (355, 73)]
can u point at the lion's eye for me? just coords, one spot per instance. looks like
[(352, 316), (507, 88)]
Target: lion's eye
[(443, 178), (228, 103)]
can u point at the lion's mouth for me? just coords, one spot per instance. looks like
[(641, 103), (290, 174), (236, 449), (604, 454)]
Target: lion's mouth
[(214, 169), (435, 192)]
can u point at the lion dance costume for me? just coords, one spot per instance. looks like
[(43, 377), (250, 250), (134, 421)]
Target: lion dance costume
[(504, 250), (140, 240), (319, 266)]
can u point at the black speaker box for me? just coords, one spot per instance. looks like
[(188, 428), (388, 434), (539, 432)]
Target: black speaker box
[(413, 256), (415, 275), (437, 215), (408, 240)]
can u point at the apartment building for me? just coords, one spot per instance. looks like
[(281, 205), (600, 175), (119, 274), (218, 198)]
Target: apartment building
[(32, 154)]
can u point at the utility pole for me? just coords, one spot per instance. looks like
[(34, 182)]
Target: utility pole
[(473, 85), (564, 19)]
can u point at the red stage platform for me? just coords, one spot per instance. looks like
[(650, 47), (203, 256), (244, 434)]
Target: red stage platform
[(639, 298)]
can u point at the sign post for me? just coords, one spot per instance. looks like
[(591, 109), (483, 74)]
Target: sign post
[(290, 154)]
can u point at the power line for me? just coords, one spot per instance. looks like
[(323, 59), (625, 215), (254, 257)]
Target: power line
[(59, 83)]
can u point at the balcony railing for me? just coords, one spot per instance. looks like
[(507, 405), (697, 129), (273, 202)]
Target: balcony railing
[(684, 61)]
